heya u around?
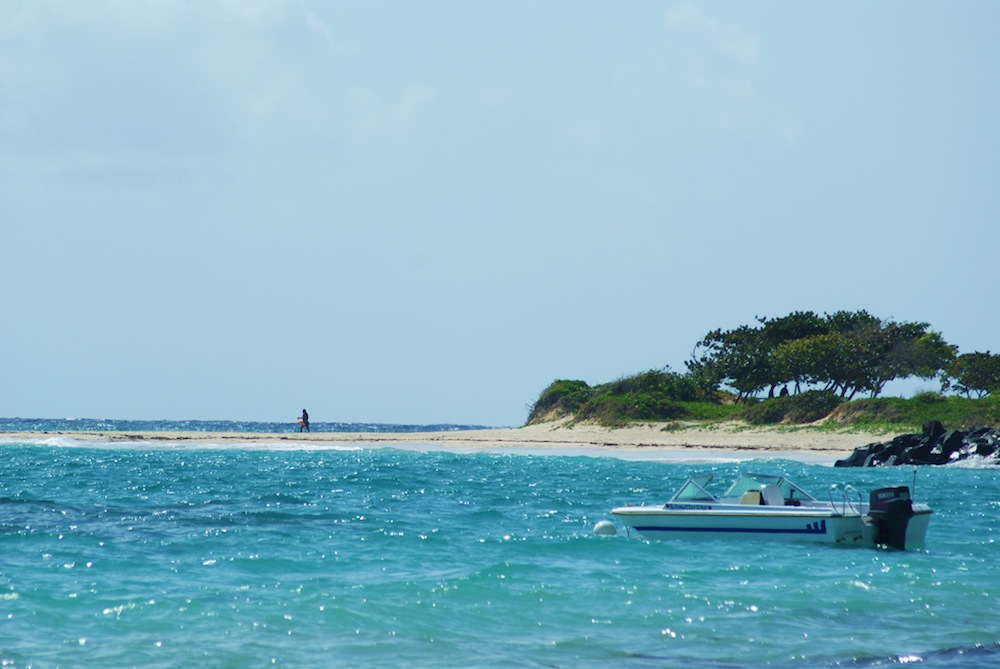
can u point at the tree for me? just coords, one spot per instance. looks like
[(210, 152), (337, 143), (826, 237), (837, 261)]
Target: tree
[(977, 373), (901, 350), (796, 326), (886, 350), (824, 359), (743, 358), (851, 322), (739, 358), (846, 352)]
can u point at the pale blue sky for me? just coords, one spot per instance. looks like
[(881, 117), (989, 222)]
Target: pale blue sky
[(419, 212)]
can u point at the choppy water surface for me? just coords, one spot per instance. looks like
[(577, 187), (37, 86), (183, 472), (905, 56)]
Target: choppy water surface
[(165, 557)]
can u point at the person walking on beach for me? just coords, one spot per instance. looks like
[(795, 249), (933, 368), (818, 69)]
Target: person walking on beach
[(304, 421)]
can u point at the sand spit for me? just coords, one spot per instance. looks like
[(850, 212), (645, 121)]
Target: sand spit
[(726, 438)]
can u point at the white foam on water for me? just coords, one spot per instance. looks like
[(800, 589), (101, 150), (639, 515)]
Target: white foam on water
[(975, 462), (35, 440), (166, 443)]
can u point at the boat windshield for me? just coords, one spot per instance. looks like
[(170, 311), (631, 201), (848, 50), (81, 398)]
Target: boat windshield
[(746, 482), (693, 490)]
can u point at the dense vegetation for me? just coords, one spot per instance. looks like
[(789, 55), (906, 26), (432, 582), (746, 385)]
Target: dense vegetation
[(797, 369), (651, 396), (845, 353)]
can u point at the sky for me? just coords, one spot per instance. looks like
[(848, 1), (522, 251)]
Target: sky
[(425, 212)]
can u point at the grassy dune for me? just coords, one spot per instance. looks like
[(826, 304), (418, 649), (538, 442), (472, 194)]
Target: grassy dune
[(667, 397)]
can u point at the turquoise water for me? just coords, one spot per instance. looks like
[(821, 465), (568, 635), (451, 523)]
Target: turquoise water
[(42, 425), (127, 555)]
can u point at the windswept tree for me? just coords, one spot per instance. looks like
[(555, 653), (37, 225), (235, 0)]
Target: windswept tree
[(974, 373), (819, 360), (743, 359), (740, 359), (912, 350), (779, 332), (794, 326), (846, 352), (886, 350)]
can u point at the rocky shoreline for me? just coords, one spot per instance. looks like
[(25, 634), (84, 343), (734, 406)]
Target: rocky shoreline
[(933, 446)]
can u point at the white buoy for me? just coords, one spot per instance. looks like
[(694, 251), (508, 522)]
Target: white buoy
[(605, 528)]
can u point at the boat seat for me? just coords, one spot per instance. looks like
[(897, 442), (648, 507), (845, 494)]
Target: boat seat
[(751, 497), (772, 495)]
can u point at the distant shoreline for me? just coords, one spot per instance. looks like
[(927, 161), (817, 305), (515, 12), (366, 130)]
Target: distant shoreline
[(721, 440)]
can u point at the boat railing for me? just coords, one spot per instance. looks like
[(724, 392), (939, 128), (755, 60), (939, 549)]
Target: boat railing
[(844, 499)]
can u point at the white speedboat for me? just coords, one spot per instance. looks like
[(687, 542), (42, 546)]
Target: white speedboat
[(773, 508)]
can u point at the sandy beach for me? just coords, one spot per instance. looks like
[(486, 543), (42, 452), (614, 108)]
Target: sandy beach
[(647, 440)]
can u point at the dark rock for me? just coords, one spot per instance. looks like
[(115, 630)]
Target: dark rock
[(857, 458), (873, 460), (986, 450), (933, 446), (952, 442), (933, 429), (897, 447), (921, 453), (979, 433)]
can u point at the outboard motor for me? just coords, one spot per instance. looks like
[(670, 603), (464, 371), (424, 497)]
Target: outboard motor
[(890, 511)]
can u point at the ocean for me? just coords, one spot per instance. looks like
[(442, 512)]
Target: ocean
[(127, 554)]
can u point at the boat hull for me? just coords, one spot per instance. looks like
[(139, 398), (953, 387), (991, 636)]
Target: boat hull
[(916, 530), (763, 523)]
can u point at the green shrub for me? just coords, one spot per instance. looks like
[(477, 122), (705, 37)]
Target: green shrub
[(870, 411), (613, 410), (661, 396), (960, 413), (712, 411), (666, 384), (562, 398), (806, 407), (984, 412)]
